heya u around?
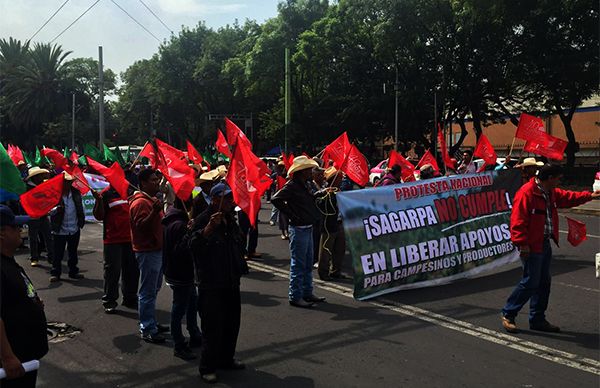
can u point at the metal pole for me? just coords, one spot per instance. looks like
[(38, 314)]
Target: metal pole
[(435, 126), (101, 96), (397, 91), (73, 123), (288, 110)]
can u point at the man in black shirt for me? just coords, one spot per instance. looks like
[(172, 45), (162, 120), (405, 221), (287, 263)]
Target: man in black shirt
[(22, 319)]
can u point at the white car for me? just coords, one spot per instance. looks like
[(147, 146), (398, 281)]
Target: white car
[(479, 162)]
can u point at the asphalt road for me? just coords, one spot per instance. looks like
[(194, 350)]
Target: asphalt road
[(444, 336)]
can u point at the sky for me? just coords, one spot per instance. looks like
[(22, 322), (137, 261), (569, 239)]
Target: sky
[(122, 40)]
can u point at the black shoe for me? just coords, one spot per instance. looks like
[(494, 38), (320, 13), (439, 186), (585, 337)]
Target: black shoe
[(163, 328), (130, 304), (235, 365), (544, 326), (35, 262), (314, 299), (210, 378), (110, 308), (155, 338), (76, 276), (195, 342), (54, 279), (300, 303), (185, 354), (340, 276)]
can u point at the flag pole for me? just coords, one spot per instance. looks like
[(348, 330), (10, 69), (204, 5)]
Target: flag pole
[(138, 156), (512, 145)]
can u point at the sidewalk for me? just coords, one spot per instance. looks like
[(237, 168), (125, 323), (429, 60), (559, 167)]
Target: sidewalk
[(591, 208)]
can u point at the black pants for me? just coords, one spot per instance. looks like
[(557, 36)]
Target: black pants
[(119, 262), (220, 321), (72, 243), (27, 381), (250, 233), (39, 228), (316, 241)]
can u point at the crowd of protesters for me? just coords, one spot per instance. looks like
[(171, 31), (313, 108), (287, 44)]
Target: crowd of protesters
[(200, 246)]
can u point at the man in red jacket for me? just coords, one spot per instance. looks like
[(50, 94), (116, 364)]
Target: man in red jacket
[(533, 222)]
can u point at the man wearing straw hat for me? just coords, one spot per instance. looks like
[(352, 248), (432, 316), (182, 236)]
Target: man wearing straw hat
[(295, 201), (67, 218), (38, 227), (529, 168)]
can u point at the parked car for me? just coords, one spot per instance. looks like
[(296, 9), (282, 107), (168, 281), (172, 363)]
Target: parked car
[(377, 172), (596, 185), (479, 162)]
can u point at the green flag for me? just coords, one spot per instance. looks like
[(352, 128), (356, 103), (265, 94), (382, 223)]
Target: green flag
[(66, 153), (27, 158), (113, 156), (38, 157), (82, 161), (11, 184), (129, 160), (92, 152)]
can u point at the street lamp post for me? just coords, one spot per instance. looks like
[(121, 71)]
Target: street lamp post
[(73, 123), (397, 92)]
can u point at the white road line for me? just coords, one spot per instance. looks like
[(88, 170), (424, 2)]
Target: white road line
[(578, 287), (516, 343), (589, 235)]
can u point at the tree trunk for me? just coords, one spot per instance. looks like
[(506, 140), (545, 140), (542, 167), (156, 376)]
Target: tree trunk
[(463, 133), (573, 146)]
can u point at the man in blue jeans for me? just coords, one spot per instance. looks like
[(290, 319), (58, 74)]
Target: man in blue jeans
[(145, 213), (296, 202)]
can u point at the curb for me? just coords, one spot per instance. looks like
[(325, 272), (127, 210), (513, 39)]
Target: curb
[(589, 212)]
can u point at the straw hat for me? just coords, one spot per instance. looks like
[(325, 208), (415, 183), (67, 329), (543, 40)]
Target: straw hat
[(33, 171), (330, 172), (222, 170), (209, 176), (302, 163), (530, 162), (68, 177)]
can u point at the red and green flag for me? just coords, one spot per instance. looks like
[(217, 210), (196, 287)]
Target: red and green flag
[(11, 184)]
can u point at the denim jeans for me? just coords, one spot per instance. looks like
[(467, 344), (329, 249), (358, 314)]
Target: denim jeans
[(301, 265), (150, 265), (184, 303), (274, 214), (534, 286)]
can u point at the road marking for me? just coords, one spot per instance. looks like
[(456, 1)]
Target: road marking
[(579, 287), (516, 343), (589, 235)]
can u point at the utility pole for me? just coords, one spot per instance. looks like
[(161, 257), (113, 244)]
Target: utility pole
[(397, 92), (435, 126), (101, 97), (288, 108), (73, 123)]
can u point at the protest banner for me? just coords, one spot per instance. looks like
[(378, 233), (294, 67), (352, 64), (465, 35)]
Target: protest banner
[(428, 233), (97, 183)]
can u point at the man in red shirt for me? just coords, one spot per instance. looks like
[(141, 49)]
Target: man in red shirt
[(145, 213), (119, 260), (533, 223)]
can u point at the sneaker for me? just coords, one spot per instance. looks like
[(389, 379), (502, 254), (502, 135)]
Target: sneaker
[(110, 310), (155, 338), (301, 303), (35, 262), (185, 354), (163, 328), (210, 378), (509, 325), (235, 365), (76, 276), (272, 223), (314, 299), (54, 279), (544, 326)]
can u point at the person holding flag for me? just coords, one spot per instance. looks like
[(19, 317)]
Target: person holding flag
[(533, 223), (295, 201), (467, 166), (39, 227)]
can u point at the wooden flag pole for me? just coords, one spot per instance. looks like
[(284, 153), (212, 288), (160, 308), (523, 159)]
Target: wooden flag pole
[(512, 145), (138, 156)]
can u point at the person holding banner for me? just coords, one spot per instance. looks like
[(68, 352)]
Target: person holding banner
[(533, 223), (22, 319), (66, 219), (467, 166), (295, 201)]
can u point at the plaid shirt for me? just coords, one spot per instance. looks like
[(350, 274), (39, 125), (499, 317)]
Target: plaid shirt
[(548, 224)]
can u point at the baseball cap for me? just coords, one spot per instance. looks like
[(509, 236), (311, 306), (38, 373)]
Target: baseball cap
[(8, 218), (220, 189)]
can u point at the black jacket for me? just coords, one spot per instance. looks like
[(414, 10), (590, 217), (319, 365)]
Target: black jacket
[(57, 218), (328, 206), (295, 201), (178, 263), (217, 260)]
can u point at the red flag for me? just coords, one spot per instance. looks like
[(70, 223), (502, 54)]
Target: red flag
[(287, 160), (248, 179), (149, 152), (74, 157), (485, 151), (113, 174), (173, 164), (38, 201), (443, 148), (234, 133), (546, 145), (428, 158), (529, 127), (15, 154), (80, 183), (280, 182), (356, 166), (408, 169), (577, 232), (222, 145), (337, 150), (57, 158), (193, 154)]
